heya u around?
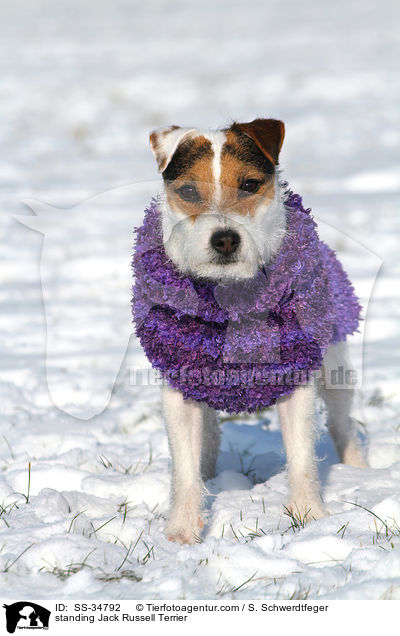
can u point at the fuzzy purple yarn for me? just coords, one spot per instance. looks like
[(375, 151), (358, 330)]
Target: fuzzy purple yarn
[(239, 346)]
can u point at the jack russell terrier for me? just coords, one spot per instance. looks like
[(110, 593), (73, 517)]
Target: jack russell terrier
[(231, 276)]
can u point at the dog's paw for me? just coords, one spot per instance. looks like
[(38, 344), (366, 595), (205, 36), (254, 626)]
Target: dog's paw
[(353, 456), (304, 511), (184, 532), (182, 535)]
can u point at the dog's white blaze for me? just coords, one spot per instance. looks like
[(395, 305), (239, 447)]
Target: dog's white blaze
[(217, 139)]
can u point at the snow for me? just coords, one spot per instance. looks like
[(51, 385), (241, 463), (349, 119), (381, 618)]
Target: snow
[(84, 481)]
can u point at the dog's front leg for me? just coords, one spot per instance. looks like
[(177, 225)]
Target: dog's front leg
[(296, 414), (184, 422)]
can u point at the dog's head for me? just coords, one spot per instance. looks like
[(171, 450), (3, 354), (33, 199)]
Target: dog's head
[(222, 214)]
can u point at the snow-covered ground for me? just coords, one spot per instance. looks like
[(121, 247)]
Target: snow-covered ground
[(83, 499)]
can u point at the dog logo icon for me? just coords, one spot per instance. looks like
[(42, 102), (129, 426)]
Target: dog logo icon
[(26, 615)]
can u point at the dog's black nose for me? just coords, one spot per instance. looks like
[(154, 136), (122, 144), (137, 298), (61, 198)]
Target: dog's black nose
[(225, 242)]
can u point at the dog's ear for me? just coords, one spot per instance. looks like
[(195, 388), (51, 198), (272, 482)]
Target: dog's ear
[(165, 141), (268, 134)]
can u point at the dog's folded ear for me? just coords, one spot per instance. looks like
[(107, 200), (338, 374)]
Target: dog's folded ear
[(268, 134), (165, 141)]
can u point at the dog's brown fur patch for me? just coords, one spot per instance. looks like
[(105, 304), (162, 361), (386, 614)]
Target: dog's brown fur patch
[(241, 160), (191, 165), (267, 134)]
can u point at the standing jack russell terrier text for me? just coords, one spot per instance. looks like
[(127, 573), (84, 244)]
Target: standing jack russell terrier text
[(227, 228)]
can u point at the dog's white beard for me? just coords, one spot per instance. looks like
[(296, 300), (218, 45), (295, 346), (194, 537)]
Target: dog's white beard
[(187, 243)]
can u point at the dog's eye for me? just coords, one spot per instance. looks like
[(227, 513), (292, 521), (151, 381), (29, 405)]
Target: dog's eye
[(188, 193), (250, 186)]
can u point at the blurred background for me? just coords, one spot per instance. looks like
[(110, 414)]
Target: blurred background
[(83, 82)]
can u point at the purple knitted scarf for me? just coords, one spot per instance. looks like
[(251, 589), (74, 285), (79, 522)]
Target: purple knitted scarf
[(239, 346)]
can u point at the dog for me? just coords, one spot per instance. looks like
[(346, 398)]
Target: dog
[(223, 218)]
